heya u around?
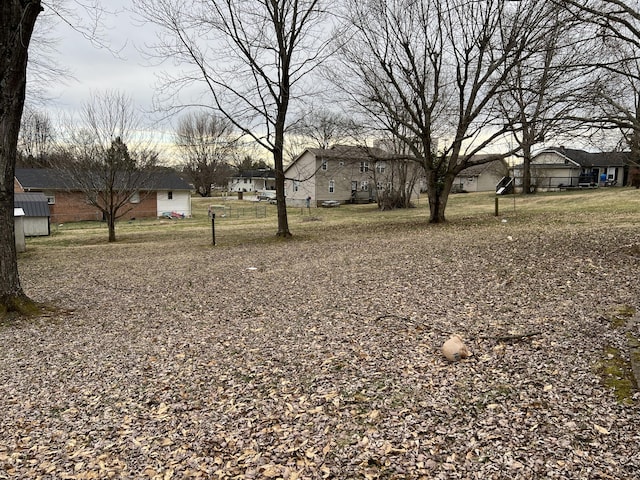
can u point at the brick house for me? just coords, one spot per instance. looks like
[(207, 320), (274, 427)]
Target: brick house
[(167, 193)]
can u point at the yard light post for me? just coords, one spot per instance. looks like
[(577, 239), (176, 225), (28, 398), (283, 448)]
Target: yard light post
[(213, 228)]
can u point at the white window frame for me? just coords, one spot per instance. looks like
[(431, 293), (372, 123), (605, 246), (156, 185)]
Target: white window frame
[(51, 199), (332, 186), (324, 166), (296, 185), (364, 185), (135, 197), (381, 167), (364, 167)]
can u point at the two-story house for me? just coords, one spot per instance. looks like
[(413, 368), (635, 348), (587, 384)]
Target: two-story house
[(347, 174)]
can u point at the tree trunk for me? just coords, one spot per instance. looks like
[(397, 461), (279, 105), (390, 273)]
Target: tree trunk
[(438, 189), (283, 222), (526, 169), (278, 152), (17, 19), (111, 223)]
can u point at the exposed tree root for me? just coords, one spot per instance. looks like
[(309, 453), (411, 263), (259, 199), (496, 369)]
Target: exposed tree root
[(19, 305)]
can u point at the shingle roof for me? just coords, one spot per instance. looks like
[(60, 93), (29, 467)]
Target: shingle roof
[(599, 159), (50, 179), (349, 152), (34, 204), (476, 170), (41, 178), (261, 173)]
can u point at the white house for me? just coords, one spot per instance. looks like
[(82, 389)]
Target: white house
[(560, 167), (481, 178), (253, 181)]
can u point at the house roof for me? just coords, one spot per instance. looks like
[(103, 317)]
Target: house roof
[(345, 152), (260, 173), (349, 152), (41, 179), (589, 159), (477, 170), (34, 204), (50, 179)]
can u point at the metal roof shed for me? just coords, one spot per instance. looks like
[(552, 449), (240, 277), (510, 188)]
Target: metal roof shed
[(36, 210)]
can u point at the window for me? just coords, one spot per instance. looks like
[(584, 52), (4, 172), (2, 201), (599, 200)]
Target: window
[(134, 198), (341, 163), (332, 186), (364, 185), (169, 195), (51, 200), (381, 167), (296, 185), (364, 167), (325, 165), (246, 180)]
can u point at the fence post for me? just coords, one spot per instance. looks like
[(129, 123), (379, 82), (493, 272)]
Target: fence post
[(496, 213), (213, 228)]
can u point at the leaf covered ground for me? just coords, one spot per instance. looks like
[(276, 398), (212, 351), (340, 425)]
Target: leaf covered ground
[(319, 358)]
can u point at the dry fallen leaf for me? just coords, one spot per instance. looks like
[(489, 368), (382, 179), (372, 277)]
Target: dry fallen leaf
[(326, 364)]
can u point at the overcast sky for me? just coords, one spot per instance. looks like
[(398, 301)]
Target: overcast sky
[(96, 70)]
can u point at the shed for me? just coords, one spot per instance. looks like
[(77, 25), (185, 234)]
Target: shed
[(18, 216), (36, 211)]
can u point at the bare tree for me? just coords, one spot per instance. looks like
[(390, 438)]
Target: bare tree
[(101, 162), (207, 145), (251, 56), (616, 94), (319, 127), (436, 67), (17, 21), (37, 137), (544, 90)]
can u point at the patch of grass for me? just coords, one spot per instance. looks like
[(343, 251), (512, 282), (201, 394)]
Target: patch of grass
[(621, 315), (616, 373), (250, 222)]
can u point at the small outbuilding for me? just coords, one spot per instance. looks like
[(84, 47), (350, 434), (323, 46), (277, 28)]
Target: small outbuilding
[(18, 216), (36, 213)]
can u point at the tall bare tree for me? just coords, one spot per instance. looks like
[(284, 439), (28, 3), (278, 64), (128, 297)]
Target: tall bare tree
[(251, 56), (37, 137), (543, 92), (436, 67), (207, 146), (106, 159), (616, 94), (319, 127), (17, 21)]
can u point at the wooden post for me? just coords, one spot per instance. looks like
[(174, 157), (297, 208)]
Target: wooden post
[(213, 228), (496, 212)]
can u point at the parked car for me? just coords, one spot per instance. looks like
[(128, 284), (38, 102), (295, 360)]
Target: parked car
[(266, 196), (330, 204)]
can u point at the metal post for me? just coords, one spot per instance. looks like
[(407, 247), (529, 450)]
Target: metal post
[(213, 228)]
